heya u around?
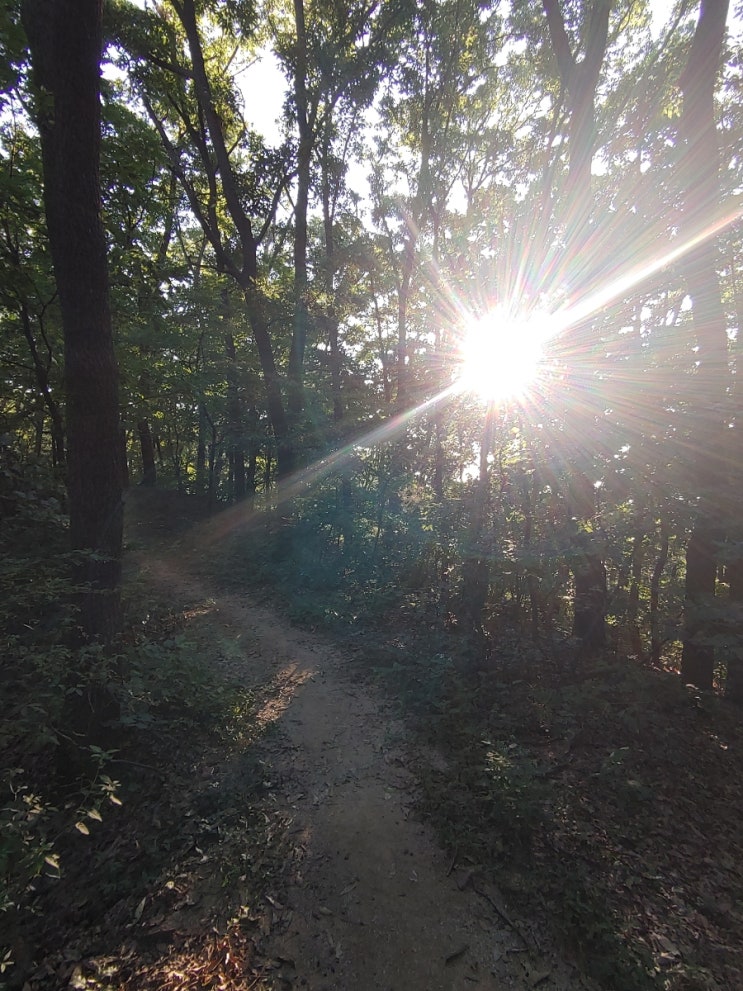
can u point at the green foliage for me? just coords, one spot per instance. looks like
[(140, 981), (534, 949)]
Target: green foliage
[(597, 936), (490, 809), (25, 847), (154, 676), (12, 44)]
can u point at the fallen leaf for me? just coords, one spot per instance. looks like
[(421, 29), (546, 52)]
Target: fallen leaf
[(140, 909)]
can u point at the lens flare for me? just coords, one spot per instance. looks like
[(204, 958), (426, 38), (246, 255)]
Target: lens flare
[(501, 356)]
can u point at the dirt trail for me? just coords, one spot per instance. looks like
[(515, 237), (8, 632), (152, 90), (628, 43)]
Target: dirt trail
[(372, 904)]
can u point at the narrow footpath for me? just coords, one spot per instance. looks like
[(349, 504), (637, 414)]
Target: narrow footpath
[(371, 901)]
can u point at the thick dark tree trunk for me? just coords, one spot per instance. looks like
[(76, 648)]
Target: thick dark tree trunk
[(65, 42), (700, 185)]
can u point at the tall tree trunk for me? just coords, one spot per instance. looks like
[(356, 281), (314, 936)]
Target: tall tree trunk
[(65, 42), (304, 153), (580, 80), (147, 447), (246, 272), (700, 185), (656, 643)]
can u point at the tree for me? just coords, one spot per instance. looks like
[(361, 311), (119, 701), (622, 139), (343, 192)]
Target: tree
[(579, 79), (27, 294), (232, 182), (698, 172), (65, 42)]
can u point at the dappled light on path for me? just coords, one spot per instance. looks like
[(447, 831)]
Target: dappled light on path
[(281, 692)]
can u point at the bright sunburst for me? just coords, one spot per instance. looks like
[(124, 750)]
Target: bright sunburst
[(501, 356)]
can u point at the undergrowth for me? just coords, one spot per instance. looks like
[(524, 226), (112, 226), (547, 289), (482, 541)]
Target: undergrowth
[(169, 703)]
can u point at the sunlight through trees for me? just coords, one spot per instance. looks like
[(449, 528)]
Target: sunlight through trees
[(452, 348)]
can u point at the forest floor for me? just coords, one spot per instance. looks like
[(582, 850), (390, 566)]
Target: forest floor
[(284, 854), (365, 899), (313, 838), (361, 897)]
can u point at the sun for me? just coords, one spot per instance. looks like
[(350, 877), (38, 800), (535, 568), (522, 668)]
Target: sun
[(501, 357)]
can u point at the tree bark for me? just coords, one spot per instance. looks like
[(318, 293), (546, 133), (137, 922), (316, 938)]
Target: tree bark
[(304, 154), (700, 184), (65, 41), (579, 80)]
